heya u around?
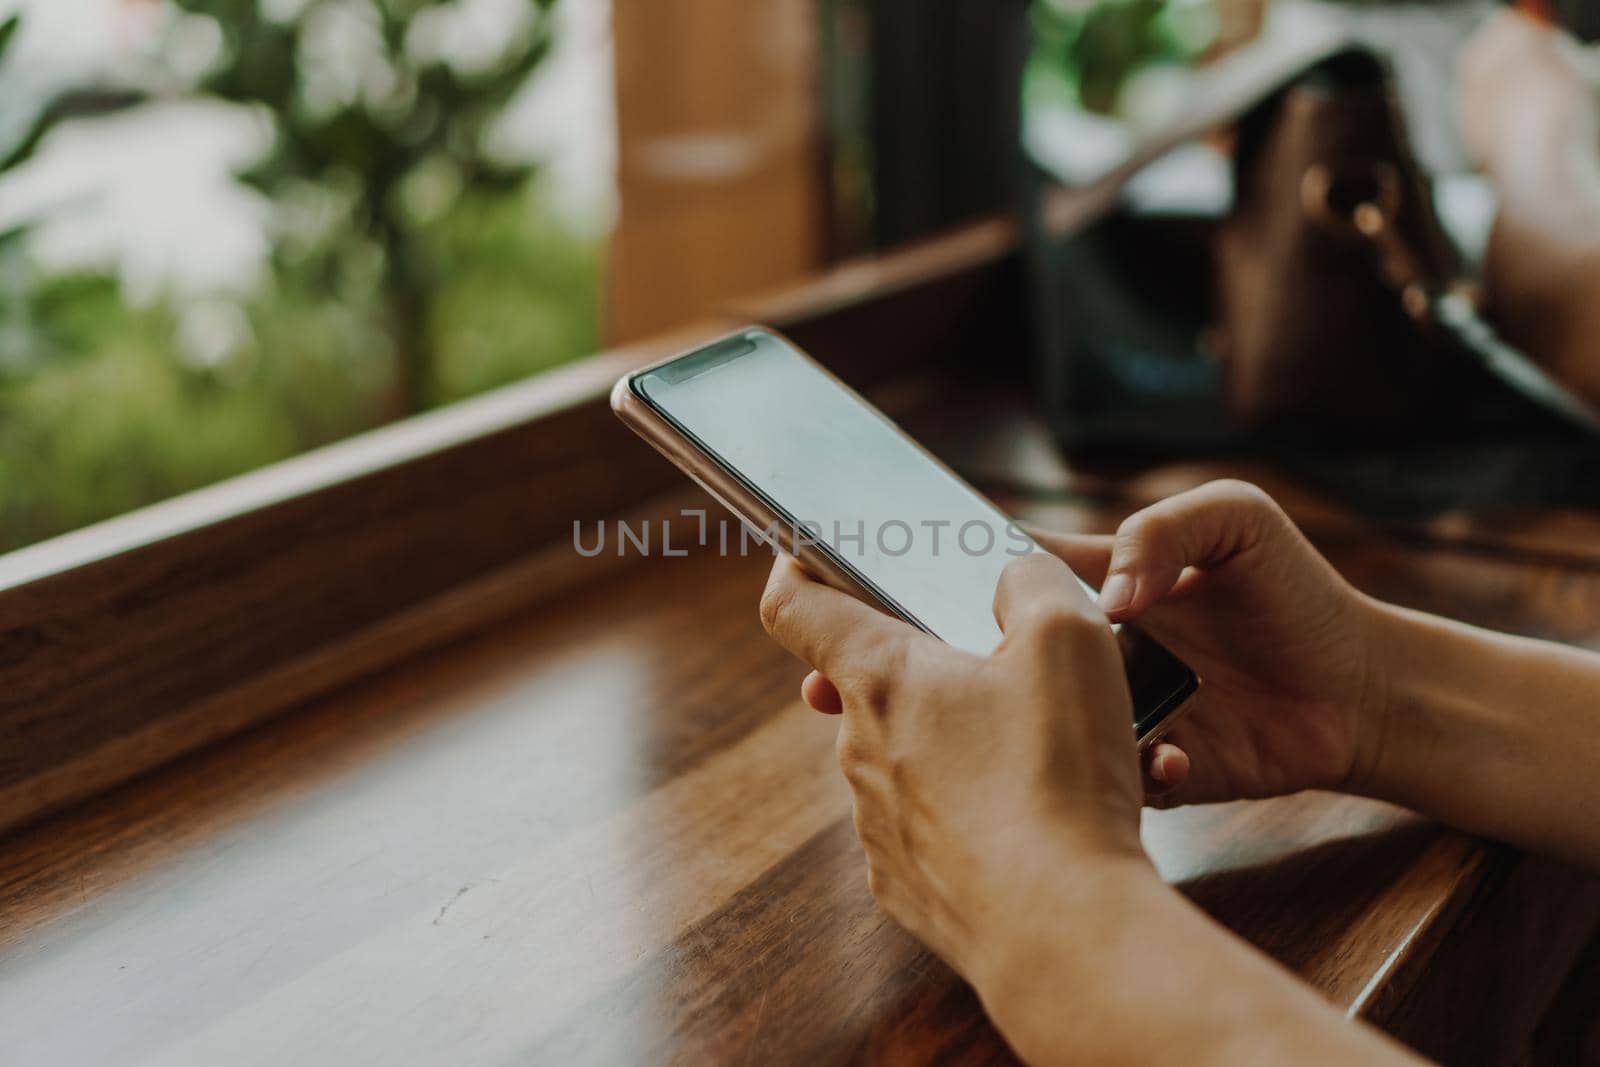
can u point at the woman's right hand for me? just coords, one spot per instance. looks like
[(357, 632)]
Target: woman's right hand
[(1294, 687), (1294, 680)]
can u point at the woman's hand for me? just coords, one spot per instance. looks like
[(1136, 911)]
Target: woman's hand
[(998, 802), (1293, 681), (1294, 688), (984, 786)]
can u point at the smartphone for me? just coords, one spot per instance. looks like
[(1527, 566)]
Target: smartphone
[(816, 470)]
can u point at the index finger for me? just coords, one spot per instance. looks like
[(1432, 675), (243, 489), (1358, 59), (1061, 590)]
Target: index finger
[(833, 632)]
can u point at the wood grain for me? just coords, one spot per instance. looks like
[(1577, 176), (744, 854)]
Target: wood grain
[(1491, 985), (604, 831)]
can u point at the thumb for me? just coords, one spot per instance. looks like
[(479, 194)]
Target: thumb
[(1203, 528)]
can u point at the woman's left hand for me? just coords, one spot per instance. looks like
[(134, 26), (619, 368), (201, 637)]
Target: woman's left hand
[(981, 783)]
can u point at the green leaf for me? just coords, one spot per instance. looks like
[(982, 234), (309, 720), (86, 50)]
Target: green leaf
[(8, 30)]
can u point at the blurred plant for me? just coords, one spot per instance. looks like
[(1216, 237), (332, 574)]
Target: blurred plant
[(124, 423), (519, 292), (412, 265), (379, 130), (71, 103), (1093, 47), (20, 347)]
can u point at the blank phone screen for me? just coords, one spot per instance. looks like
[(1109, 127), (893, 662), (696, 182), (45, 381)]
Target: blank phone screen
[(836, 469), (845, 476)]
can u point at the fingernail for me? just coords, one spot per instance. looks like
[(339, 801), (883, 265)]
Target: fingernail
[(1117, 593)]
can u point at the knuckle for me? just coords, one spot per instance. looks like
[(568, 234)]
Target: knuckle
[(1066, 633), (1061, 624), (872, 687), (852, 755), (1245, 494), (854, 776), (865, 691), (1150, 527), (893, 658), (877, 695), (777, 601), (1255, 513), (1022, 563)]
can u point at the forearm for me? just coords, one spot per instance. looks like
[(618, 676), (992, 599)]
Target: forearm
[(1544, 258), (1541, 276), (1493, 734), (1118, 968)]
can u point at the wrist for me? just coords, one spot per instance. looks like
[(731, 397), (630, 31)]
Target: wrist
[(1115, 966), (1379, 629), (1052, 940), (1426, 707)]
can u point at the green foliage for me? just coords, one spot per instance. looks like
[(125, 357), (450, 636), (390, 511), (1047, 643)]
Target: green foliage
[(114, 420), (411, 267), (1093, 48), (389, 115), (519, 293), (123, 423), (66, 105)]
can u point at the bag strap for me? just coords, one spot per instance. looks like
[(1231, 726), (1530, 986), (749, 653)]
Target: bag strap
[(1364, 201)]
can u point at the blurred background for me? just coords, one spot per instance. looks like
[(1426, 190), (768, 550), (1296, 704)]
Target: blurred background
[(233, 230)]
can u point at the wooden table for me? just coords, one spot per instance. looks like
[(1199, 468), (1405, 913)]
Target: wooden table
[(604, 830)]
